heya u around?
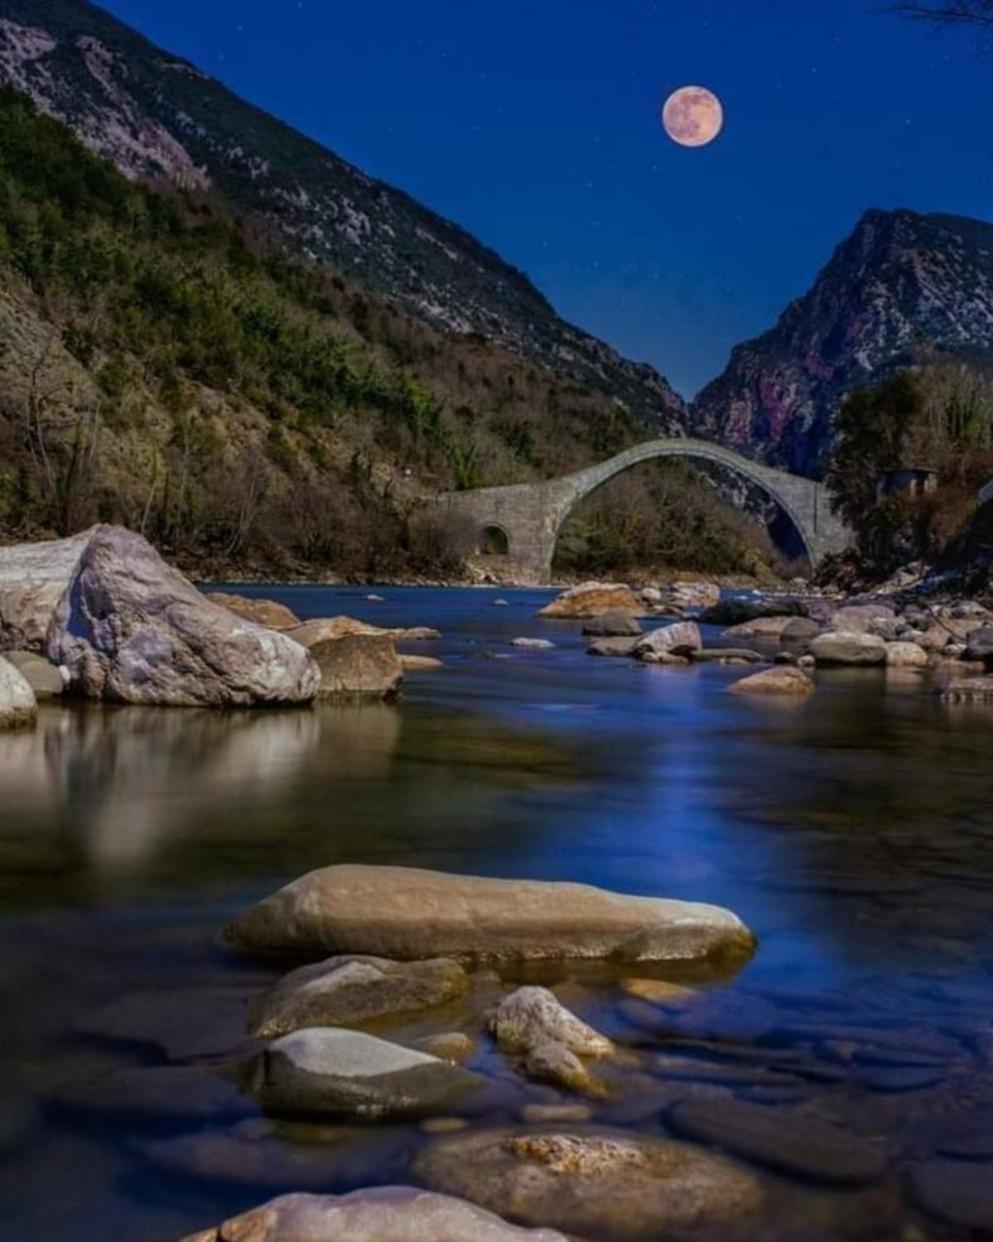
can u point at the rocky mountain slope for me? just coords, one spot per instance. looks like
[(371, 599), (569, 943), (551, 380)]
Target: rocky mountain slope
[(901, 287), (157, 116)]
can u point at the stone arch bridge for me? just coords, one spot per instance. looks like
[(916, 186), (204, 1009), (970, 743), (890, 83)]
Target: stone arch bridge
[(527, 517)]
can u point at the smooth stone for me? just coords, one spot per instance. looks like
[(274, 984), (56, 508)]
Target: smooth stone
[(327, 1070), (591, 599), (848, 648), (407, 913), (800, 630), (18, 706), (159, 1093), (344, 990), (905, 655), (785, 1140), (681, 638), (132, 629), (781, 680), (379, 1214), (659, 991), (358, 666), (959, 1191), (980, 644), (443, 1125), (532, 644), (419, 663), (533, 1016), (615, 623), (555, 1063), (612, 647), (556, 1114), (261, 611), (591, 1182), (45, 679)]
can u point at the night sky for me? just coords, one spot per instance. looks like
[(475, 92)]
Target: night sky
[(534, 123)]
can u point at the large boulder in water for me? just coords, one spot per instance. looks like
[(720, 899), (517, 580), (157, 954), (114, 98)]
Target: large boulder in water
[(18, 707), (681, 638), (848, 648), (408, 914), (131, 629), (33, 579), (358, 666), (592, 599), (379, 1214)]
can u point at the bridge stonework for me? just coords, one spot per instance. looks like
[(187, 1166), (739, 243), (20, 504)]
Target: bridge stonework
[(531, 515)]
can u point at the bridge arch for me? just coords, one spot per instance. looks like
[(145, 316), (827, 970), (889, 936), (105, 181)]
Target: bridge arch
[(532, 514)]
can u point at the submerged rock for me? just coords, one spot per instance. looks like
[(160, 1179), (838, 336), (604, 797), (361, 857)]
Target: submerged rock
[(959, 1191), (156, 1094), (613, 647), (615, 623), (265, 612), (592, 599), (781, 680), (419, 663), (591, 1182), (532, 644), (407, 913), (969, 690), (332, 1070), (380, 1214), (131, 629), (345, 990), (358, 666), (18, 707), (786, 1140)]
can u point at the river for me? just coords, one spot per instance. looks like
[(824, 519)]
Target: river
[(852, 831)]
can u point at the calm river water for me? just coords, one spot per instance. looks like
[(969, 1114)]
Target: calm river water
[(852, 831)]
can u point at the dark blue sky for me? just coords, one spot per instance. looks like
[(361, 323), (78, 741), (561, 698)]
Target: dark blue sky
[(534, 123)]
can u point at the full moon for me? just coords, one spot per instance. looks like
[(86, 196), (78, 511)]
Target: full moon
[(692, 116)]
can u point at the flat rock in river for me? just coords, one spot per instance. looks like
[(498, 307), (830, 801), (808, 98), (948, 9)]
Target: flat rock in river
[(358, 666), (322, 1070), (407, 913), (591, 1181), (378, 1214), (788, 1141), (781, 680), (591, 599), (345, 990)]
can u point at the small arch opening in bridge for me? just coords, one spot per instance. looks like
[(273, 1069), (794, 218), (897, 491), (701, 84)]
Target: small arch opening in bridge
[(493, 541)]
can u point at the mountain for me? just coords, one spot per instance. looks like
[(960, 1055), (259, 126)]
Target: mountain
[(902, 286), (157, 117)]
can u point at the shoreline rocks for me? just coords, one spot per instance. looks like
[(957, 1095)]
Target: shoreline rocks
[(18, 706), (407, 913)]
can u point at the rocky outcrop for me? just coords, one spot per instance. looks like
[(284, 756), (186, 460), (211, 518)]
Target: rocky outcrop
[(18, 707), (592, 599), (592, 1182), (381, 1214), (265, 612), (358, 666), (33, 579), (900, 284), (330, 1070), (406, 914), (345, 990), (131, 629)]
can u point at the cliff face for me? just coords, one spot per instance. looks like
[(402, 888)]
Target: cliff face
[(901, 286), (157, 116)]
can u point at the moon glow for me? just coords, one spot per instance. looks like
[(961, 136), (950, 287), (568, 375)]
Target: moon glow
[(692, 116)]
